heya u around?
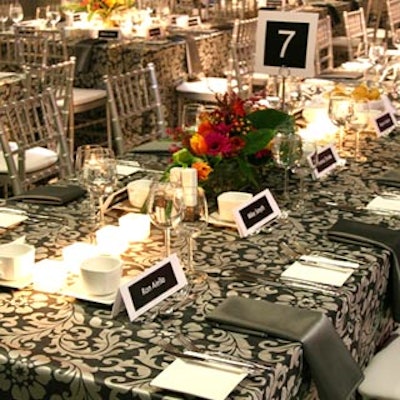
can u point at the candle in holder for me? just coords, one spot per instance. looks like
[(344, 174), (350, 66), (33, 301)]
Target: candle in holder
[(49, 275), (135, 227), (111, 240), (75, 253)]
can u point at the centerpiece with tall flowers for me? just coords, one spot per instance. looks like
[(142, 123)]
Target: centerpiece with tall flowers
[(103, 9), (230, 147)]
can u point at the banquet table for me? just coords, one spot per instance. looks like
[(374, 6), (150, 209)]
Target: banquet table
[(58, 346)]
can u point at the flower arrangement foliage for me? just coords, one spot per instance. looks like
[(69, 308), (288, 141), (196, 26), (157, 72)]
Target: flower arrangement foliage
[(231, 143), (103, 8)]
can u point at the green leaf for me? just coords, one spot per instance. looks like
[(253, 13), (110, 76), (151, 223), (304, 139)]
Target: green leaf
[(258, 140), (269, 118)]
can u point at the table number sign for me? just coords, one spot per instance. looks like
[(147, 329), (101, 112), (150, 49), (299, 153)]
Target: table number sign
[(148, 289), (255, 213), (384, 124), (286, 39), (323, 161)]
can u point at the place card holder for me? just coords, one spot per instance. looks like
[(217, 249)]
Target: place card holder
[(194, 21), (154, 32), (323, 161), (384, 124), (109, 34)]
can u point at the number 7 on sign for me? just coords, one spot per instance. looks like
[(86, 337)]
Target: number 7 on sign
[(290, 35)]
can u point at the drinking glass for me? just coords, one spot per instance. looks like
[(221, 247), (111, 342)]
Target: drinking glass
[(190, 117), (358, 121), (165, 209), (53, 15), (96, 169), (4, 13), (16, 13), (286, 150), (339, 110), (194, 221)]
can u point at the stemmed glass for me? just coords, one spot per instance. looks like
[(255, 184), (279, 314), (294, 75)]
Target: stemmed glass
[(53, 15), (165, 209), (4, 13), (190, 116), (96, 169), (359, 120), (286, 150), (194, 221), (339, 110), (16, 13)]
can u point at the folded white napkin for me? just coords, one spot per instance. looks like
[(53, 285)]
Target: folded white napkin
[(206, 380), (356, 65), (380, 203), (316, 274), (7, 218), (126, 170)]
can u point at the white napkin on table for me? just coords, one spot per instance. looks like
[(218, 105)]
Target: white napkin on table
[(209, 381), (7, 218), (316, 274), (380, 203)]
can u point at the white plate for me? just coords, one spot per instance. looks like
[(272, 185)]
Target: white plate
[(17, 284), (76, 289), (199, 379), (214, 219)]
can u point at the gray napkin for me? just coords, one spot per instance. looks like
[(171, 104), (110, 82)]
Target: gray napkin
[(389, 239), (333, 369), (83, 54), (390, 178)]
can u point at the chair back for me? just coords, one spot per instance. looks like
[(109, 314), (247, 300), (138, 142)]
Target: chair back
[(393, 15), (243, 56), (135, 112), (8, 53), (33, 124), (355, 28), (60, 78), (324, 47), (32, 47)]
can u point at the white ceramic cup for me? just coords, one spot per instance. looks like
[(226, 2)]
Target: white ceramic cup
[(16, 261), (101, 275), (229, 201), (138, 191)]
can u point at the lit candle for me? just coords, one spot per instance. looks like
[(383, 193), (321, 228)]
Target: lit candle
[(111, 240), (49, 275), (75, 253), (135, 227)]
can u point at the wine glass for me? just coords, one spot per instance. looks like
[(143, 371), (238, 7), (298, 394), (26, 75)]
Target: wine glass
[(359, 120), (53, 15), (303, 167), (339, 109), (194, 221), (96, 169), (286, 150), (4, 13), (165, 209), (190, 117), (16, 13)]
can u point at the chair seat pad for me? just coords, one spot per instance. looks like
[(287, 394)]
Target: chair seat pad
[(382, 373), (342, 41), (82, 96), (207, 85), (36, 159)]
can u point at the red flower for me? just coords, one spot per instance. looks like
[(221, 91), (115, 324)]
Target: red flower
[(217, 144)]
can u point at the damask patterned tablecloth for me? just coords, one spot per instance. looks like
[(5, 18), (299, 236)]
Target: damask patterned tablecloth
[(56, 347)]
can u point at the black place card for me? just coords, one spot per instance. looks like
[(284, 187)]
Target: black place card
[(154, 32), (257, 212), (151, 287), (385, 124), (109, 34), (323, 161), (194, 21)]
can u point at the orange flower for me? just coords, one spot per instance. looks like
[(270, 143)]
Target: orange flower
[(198, 145), (205, 127), (109, 3), (203, 170)]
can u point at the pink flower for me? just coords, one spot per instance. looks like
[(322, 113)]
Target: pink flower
[(217, 143)]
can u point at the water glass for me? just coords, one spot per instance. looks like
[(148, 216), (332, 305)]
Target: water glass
[(16, 13)]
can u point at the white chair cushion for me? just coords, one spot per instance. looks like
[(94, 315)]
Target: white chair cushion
[(82, 96), (208, 85), (36, 159), (382, 373)]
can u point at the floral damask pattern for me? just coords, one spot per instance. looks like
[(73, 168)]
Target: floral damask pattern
[(56, 347)]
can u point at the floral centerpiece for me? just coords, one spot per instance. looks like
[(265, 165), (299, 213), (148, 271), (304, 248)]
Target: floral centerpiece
[(101, 8), (231, 146)]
